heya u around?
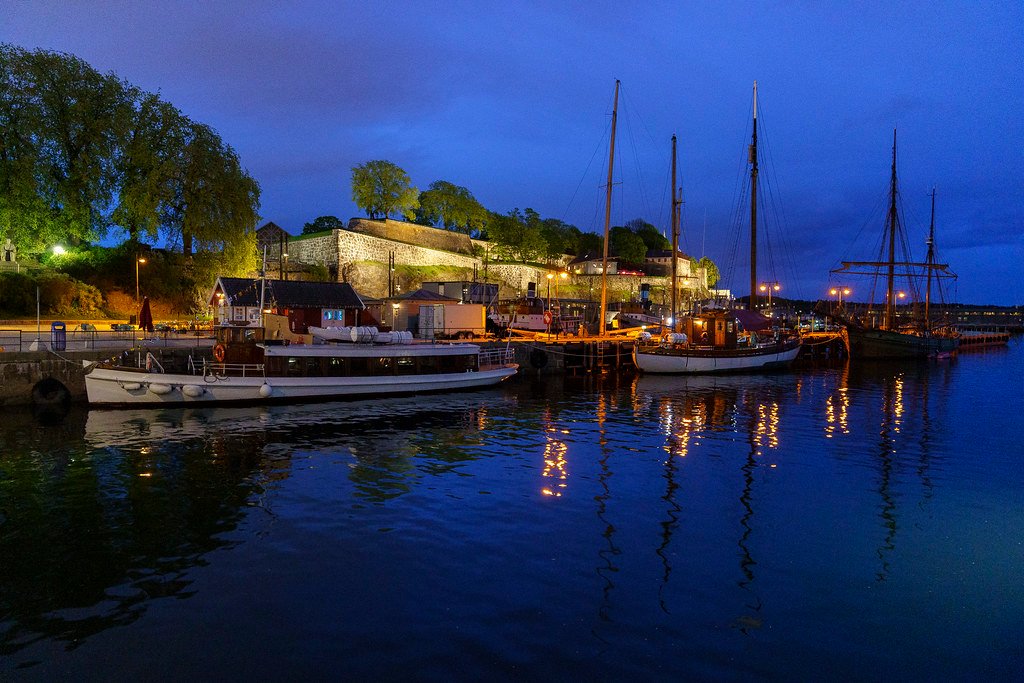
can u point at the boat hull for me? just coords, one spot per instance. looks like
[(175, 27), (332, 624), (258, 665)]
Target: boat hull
[(884, 344), (698, 361), (114, 387)]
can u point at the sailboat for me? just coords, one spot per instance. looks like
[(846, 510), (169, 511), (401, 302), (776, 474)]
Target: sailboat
[(889, 338), (717, 341)]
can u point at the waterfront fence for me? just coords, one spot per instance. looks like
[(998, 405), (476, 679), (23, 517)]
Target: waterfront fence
[(90, 338)]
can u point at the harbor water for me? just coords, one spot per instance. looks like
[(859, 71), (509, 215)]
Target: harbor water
[(854, 523)]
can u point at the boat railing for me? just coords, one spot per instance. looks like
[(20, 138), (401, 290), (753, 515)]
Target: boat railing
[(208, 369), (496, 357)]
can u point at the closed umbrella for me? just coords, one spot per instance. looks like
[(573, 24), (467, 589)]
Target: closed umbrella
[(146, 316)]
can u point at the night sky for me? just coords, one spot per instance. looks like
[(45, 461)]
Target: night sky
[(513, 100)]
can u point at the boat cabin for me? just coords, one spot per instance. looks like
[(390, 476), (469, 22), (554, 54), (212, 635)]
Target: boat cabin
[(713, 328)]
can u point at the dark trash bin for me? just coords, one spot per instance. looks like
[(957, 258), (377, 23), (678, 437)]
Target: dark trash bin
[(58, 336)]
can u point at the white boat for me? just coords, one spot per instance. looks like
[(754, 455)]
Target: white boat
[(250, 368), (718, 341)]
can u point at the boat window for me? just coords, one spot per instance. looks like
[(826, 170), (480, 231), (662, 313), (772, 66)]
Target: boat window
[(294, 367), (313, 367), (405, 365), (336, 367), (384, 366), (428, 365), (358, 367)]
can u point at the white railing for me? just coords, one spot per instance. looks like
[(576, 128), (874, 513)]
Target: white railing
[(492, 357), (206, 368)]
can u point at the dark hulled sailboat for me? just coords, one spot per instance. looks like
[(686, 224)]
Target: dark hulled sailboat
[(917, 338)]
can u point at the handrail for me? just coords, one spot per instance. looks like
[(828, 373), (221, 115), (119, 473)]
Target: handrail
[(496, 357), (231, 369)]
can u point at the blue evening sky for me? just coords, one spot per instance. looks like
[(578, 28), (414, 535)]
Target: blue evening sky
[(513, 101)]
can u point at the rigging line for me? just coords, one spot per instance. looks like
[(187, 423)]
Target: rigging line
[(659, 218), (601, 144), (776, 212), (641, 185)]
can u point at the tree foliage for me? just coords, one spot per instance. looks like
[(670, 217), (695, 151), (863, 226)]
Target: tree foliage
[(83, 152), (651, 236), (381, 188), (627, 245), (452, 207), (515, 236), (711, 273), (323, 224)]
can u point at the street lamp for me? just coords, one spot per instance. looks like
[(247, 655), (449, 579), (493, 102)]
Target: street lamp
[(137, 262), (839, 293), (769, 287)]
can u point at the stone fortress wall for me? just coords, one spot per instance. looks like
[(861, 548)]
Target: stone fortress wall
[(361, 252)]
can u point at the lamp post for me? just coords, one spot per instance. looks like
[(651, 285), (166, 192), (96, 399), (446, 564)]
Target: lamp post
[(550, 277), (769, 287), (138, 260), (839, 293)]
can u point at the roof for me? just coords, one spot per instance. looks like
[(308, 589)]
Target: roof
[(587, 257), (424, 295), (665, 253), (243, 291), (751, 320)]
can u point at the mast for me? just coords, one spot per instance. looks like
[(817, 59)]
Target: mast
[(931, 261), (608, 214), (753, 209), (675, 239), (890, 291)]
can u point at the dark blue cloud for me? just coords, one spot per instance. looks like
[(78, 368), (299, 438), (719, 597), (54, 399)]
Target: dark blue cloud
[(512, 100)]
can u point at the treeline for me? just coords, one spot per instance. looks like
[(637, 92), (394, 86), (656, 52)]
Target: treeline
[(83, 154), (381, 188)]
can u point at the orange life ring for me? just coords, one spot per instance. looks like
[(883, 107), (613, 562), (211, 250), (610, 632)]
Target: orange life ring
[(218, 353)]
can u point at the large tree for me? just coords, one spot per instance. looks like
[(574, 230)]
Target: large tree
[(147, 167), (515, 238), (711, 272), (381, 188), (627, 245), (66, 121), (214, 201), (82, 151), (651, 236), (452, 207)]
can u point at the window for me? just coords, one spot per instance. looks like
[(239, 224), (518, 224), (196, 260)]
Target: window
[(384, 366), (336, 367), (406, 365)]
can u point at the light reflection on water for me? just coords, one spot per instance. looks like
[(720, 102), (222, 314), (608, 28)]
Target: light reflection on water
[(783, 525)]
